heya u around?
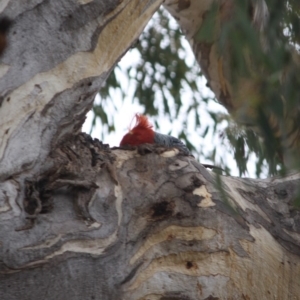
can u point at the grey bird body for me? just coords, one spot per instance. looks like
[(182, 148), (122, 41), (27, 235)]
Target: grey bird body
[(170, 142)]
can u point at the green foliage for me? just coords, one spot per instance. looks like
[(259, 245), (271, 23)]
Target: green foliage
[(276, 114), (161, 72), (206, 32), (99, 108)]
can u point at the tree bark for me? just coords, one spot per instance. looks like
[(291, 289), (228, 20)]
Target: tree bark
[(82, 221)]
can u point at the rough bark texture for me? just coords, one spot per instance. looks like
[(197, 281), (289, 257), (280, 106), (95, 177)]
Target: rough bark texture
[(159, 229), (81, 221)]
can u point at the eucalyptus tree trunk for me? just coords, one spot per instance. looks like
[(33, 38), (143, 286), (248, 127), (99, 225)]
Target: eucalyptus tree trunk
[(79, 220)]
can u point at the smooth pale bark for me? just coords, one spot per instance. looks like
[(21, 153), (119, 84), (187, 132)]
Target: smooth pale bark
[(81, 221)]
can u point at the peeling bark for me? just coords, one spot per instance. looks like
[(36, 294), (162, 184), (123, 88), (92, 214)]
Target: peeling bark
[(79, 220)]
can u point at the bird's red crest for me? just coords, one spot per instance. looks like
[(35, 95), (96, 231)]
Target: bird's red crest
[(141, 122), (141, 133)]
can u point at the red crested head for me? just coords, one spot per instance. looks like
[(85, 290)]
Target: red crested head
[(141, 133)]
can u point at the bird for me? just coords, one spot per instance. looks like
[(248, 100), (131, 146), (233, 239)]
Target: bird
[(143, 133)]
